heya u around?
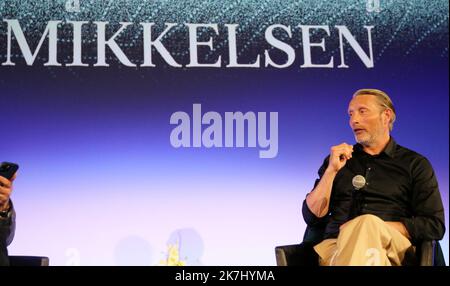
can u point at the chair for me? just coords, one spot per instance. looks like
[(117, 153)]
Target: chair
[(428, 253), (28, 260), (12, 260), (15, 260)]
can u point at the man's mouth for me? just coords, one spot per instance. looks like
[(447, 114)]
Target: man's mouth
[(358, 130)]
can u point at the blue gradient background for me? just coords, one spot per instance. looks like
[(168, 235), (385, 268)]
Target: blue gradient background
[(100, 183)]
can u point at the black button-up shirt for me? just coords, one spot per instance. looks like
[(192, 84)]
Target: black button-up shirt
[(400, 186)]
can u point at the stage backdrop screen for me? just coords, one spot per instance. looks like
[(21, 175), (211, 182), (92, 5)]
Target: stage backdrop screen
[(190, 132)]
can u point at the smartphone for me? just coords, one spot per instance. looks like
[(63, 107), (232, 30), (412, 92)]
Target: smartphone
[(7, 170)]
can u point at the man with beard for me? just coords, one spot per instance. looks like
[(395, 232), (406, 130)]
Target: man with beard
[(376, 197)]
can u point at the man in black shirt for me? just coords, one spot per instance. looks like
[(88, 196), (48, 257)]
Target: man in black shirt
[(376, 196), (7, 219)]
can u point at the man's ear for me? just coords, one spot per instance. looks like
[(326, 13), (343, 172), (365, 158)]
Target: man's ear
[(387, 114)]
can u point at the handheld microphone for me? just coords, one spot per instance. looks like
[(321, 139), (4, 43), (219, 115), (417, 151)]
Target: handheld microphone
[(358, 182)]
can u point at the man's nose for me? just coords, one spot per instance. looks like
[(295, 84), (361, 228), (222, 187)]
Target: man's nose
[(354, 119)]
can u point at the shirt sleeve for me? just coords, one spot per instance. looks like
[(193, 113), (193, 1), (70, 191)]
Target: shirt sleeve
[(8, 226), (310, 218), (427, 222)]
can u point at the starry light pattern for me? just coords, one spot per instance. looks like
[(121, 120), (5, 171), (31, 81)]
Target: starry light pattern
[(411, 25)]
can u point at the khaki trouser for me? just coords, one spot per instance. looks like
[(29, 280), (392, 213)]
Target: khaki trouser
[(366, 240)]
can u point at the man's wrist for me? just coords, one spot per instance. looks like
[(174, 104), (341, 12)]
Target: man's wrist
[(5, 206), (4, 210), (330, 171)]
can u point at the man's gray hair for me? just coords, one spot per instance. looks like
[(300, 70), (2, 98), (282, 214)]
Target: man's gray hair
[(383, 99)]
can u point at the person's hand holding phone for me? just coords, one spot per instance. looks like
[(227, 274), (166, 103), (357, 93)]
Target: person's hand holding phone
[(7, 176)]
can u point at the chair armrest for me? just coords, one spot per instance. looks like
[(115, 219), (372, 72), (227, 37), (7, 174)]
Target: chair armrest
[(427, 249), (431, 253), (28, 261), (296, 255), (281, 253)]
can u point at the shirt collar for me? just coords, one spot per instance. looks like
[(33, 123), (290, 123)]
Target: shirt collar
[(389, 150)]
